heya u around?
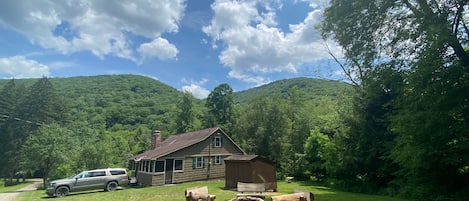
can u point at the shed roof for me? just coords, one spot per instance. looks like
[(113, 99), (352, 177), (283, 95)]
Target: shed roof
[(240, 157), (246, 158), (177, 142)]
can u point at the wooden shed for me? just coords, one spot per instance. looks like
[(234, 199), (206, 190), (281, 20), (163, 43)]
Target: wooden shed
[(250, 169)]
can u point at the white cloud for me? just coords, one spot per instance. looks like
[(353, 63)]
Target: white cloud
[(21, 67), (196, 88), (253, 44), (159, 48), (101, 27)]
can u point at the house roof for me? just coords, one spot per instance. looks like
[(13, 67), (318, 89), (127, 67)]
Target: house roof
[(177, 142)]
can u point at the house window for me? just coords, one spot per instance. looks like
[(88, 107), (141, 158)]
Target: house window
[(198, 162), (217, 160), (152, 166), (159, 166), (178, 165), (217, 141), (147, 166)]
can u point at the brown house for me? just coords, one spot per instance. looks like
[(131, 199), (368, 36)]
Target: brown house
[(192, 156), (250, 169)]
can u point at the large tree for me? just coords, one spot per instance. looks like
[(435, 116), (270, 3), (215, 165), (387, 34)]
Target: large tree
[(185, 118), (11, 95), (425, 41), (220, 107), (48, 148)]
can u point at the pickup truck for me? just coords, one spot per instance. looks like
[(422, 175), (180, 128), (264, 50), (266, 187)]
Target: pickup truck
[(108, 179)]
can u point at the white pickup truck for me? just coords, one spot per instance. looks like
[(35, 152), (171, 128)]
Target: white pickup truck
[(108, 179)]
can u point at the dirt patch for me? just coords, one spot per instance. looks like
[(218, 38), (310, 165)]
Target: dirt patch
[(10, 196)]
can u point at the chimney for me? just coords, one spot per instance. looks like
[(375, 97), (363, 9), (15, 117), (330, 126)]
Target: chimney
[(156, 139)]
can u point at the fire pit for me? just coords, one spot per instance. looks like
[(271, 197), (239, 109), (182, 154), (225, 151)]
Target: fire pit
[(247, 198)]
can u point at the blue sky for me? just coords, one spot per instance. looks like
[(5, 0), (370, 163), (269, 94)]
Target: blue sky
[(192, 45)]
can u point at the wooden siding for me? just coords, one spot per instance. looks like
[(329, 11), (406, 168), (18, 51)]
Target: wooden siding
[(264, 172), (252, 171), (189, 173), (204, 149), (144, 178), (237, 172)]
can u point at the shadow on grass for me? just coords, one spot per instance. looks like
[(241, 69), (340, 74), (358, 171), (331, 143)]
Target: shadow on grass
[(73, 194)]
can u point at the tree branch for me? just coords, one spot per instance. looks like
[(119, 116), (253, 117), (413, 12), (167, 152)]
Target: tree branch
[(411, 7), (457, 18), (342, 66)]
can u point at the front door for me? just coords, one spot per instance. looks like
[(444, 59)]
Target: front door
[(168, 171)]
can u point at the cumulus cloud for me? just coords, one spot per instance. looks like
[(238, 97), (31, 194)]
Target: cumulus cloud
[(21, 67), (101, 27), (196, 88), (253, 45), (159, 48)]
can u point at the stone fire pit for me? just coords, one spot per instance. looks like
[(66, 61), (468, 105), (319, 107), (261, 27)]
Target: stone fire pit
[(247, 198)]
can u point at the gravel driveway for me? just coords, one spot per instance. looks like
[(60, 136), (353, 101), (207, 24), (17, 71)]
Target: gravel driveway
[(10, 196)]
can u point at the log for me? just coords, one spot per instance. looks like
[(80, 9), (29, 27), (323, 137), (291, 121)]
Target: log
[(309, 196), (198, 194), (290, 197)]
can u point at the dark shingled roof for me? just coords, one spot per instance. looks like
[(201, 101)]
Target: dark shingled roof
[(240, 157), (177, 142), (247, 158)]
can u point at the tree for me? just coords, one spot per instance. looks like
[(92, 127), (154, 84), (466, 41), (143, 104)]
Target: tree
[(42, 104), (11, 95), (367, 144), (185, 119), (47, 149), (220, 107), (264, 127), (424, 41), (397, 31), (432, 122)]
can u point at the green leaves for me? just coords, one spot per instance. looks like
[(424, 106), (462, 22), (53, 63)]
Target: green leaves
[(48, 148), (220, 107), (410, 112)]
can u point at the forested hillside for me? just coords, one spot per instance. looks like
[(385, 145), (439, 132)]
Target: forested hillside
[(314, 88), (70, 124), (127, 100)]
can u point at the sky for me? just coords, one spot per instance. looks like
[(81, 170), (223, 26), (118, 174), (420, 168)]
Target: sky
[(192, 45)]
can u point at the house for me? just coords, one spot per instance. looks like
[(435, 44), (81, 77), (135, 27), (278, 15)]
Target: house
[(184, 157), (250, 169)]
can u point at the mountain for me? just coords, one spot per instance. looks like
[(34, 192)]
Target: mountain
[(132, 100), (313, 88), (128, 100)]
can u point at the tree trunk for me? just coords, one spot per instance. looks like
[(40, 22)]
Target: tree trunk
[(44, 179)]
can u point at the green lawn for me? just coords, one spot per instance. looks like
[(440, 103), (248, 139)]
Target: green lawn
[(176, 192), (4, 189)]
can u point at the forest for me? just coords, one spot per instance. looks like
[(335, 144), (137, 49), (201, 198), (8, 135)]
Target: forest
[(400, 128)]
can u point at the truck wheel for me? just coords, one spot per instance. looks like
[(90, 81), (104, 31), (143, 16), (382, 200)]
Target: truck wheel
[(61, 191), (111, 186)]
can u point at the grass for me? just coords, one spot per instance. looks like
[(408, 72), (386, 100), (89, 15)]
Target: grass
[(15, 187), (176, 192)]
